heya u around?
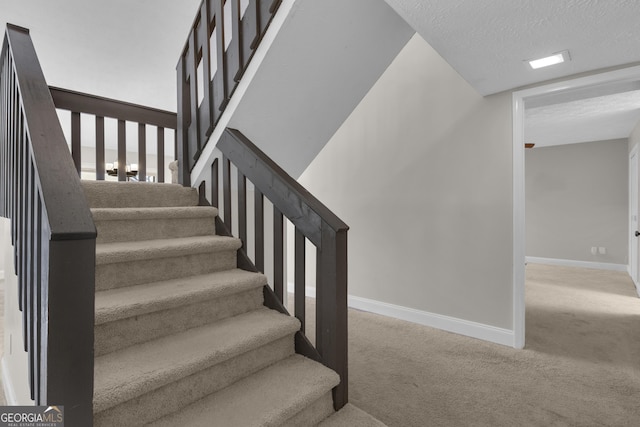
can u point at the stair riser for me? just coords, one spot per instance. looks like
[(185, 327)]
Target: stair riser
[(120, 274), (177, 395), (132, 230), (116, 335), (312, 414), (119, 195)]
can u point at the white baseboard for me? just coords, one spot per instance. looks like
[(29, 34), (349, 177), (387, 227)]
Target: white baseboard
[(581, 264), (438, 321)]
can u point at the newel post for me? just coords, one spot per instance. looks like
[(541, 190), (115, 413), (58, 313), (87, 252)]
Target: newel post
[(69, 308), (331, 314)]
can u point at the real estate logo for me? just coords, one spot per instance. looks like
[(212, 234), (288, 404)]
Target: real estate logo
[(31, 416)]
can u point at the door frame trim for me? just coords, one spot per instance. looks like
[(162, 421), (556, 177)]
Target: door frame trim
[(634, 152), (518, 109)]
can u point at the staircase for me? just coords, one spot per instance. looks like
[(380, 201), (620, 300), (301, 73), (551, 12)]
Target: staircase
[(182, 337)]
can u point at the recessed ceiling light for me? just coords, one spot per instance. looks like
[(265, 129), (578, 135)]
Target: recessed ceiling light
[(556, 58)]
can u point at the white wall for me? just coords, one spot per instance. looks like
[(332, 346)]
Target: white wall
[(2, 246), (421, 172), (314, 65), (634, 138), (577, 198), (14, 364)]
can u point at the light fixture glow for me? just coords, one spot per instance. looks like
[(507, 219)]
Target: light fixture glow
[(556, 58)]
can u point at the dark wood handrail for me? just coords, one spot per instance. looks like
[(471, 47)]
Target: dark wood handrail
[(66, 99), (314, 222), (220, 75), (302, 208), (53, 235), (101, 107)]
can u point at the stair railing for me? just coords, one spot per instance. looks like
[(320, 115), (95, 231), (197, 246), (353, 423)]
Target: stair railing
[(221, 43), (313, 222), (81, 103), (52, 232)]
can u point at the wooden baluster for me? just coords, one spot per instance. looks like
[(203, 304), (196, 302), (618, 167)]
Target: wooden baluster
[(274, 6), (122, 150), (182, 134), (278, 253), (235, 65), (14, 158), (250, 30), (220, 89), (206, 108), (300, 278), (100, 160), (19, 218), (76, 147), (38, 299), (4, 119), (215, 198), (242, 209), (142, 152), (194, 126), (31, 283), (267, 8), (3, 136), (259, 229), (226, 192), (161, 158), (23, 236), (15, 176)]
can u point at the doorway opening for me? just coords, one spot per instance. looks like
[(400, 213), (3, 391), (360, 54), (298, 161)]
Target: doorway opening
[(580, 88)]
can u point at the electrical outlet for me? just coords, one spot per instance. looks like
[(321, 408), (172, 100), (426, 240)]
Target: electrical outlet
[(594, 250), (602, 250)]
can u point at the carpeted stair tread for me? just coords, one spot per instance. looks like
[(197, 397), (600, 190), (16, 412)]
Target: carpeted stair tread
[(113, 194), (351, 416), (133, 371), (151, 223), (267, 398), (143, 213), (108, 253), (119, 303)]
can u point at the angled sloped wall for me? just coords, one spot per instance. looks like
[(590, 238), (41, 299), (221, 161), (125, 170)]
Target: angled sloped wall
[(422, 173), (318, 61)]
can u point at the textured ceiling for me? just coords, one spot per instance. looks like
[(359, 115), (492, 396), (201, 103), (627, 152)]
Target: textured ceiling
[(487, 41), (592, 119)]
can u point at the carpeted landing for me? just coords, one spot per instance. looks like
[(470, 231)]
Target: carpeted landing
[(580, 366), (182, 337)]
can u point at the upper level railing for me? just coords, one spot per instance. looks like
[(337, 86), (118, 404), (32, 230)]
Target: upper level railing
[(313, 222), (221, 43), (53, 235), (143, 117)]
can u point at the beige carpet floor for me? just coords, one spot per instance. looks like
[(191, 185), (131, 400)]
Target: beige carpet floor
[(580, 367)]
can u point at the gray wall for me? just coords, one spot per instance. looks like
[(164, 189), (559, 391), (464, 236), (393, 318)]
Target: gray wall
[(634, 138), (421, 171), (577, 198)]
